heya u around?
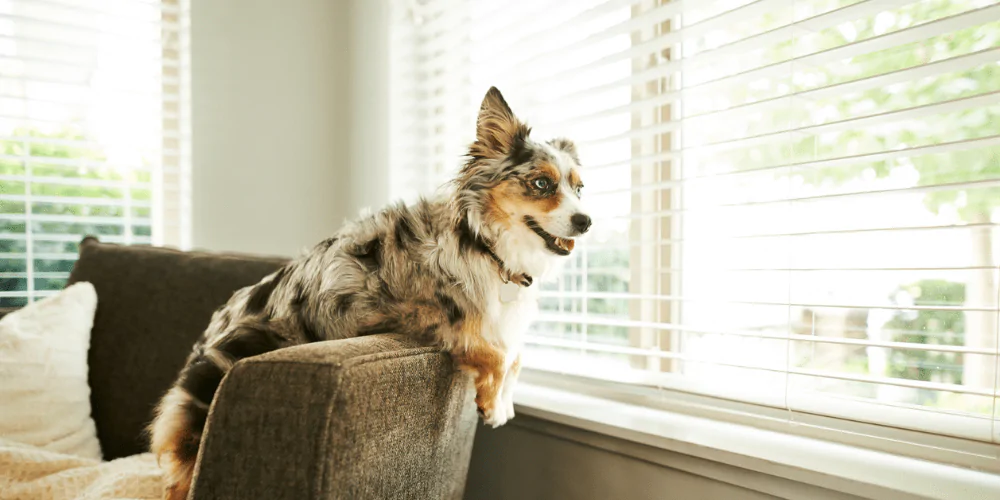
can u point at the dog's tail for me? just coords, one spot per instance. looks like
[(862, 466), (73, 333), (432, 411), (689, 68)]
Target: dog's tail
[(180, 417), (175, 438)]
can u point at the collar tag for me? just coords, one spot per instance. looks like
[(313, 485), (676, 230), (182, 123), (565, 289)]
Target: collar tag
[(509, 292)]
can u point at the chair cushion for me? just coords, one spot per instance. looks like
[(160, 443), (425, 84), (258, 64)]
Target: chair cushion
[(153, 303)]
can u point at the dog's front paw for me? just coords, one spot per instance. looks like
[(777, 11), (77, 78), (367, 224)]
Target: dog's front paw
[(495, 418), (508, 403), (496, 413)]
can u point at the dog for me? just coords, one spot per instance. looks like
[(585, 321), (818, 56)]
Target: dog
[(458, 271)]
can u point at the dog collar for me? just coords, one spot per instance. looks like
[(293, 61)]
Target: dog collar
[(512, 282), (508, 276)]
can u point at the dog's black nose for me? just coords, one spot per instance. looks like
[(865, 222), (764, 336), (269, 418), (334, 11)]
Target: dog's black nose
[(581, 222)]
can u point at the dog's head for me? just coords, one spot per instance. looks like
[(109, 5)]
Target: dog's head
[(522, 191)]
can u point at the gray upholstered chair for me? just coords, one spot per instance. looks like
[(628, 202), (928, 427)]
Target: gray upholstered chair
[(369, 417)]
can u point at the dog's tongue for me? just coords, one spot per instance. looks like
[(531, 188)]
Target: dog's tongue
[(565, 244)]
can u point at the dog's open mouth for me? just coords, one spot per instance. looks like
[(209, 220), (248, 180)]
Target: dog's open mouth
[(555, 244)]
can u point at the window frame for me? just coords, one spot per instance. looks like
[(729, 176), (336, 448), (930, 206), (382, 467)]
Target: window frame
[(662, 254)]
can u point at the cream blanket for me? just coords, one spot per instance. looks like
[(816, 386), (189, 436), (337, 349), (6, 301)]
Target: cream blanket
[(30, 473)]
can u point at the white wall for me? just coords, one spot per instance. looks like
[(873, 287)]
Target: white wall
[(369, 130), (270, 93)]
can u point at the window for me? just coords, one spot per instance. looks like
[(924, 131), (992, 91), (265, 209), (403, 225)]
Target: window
[(796, 201), (93, 134)]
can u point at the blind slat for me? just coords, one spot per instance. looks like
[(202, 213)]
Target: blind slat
[(80, 219), (62, 275), (45, 43), (77, 181), (721, 301), (925, 189), (983, 100), (40, 256), (969, 102), (129, 91), (66, 26), (944, 147), (75, 200), (915, 384), (49, 161), (72, 238), (75, 7), (721, 240)]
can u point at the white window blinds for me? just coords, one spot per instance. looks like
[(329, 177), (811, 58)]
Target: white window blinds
[(795, 201), (93, 133)]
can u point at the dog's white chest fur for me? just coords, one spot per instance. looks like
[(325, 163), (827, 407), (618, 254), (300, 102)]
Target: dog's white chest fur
[(509, 292), (511, 319)]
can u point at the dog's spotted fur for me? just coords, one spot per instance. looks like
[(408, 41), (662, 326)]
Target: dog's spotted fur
[(431, 270)]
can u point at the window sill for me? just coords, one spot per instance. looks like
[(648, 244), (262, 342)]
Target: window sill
[(831, 466)]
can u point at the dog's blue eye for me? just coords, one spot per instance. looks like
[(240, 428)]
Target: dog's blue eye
[(579, 191), (542, 183)]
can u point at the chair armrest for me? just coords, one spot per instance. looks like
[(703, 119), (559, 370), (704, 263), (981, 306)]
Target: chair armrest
[(368, 417)]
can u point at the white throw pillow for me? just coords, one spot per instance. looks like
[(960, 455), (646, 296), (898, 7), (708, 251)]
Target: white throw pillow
[(44, 394)]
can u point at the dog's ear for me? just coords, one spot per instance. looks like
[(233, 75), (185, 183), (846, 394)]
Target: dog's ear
[(566, 146), (498, 131)]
